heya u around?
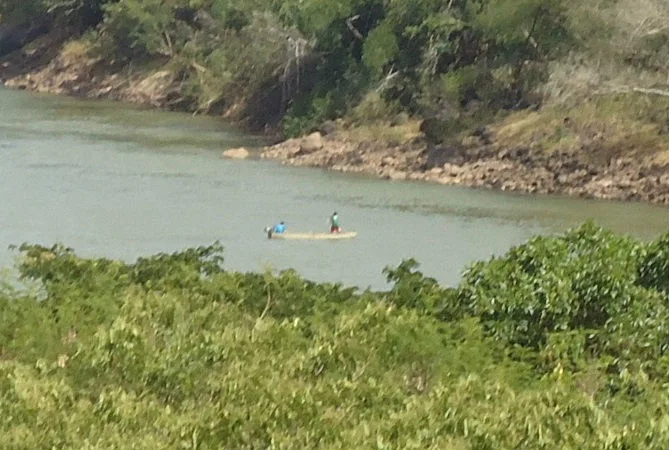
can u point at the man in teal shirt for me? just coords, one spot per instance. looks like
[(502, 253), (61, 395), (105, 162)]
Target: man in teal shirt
[(334, 223)]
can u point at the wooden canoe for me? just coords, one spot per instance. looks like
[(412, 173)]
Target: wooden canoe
[(315, 236)]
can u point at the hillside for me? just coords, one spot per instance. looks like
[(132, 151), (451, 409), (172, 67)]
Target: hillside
[(468, 83)]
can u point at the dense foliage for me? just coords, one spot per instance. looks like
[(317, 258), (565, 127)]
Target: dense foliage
[(558, 344), (318, 59), (300, 62)]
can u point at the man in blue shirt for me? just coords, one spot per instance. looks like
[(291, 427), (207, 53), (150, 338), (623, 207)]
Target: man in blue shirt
[(279, 228)]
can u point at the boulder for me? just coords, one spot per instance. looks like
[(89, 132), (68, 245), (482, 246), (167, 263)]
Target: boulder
[(397, 175), (399, 119), (452, 170), (438, 155), (236, 153), (328, 127), (311, 143), (153, 89), (433, 130), (388, 161)]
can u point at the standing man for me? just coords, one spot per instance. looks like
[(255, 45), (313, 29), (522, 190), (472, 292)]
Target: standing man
[(334, 223)]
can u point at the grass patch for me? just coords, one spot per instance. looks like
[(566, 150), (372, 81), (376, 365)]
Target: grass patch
[(75, 49), (383, 132), (605, 126), (79, 52)]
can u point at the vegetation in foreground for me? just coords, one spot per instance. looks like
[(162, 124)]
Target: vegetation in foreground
[(560, 343), (462, 63)]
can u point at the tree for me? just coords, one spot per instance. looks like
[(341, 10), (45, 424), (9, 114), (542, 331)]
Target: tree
[(522, 32)]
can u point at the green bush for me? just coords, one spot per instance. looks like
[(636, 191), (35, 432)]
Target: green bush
[(654, 269), (373, 108), (574, 297), (142, 28), (426, 58), (174, 351)]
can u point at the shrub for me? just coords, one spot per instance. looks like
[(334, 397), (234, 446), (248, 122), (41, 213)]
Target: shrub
[(173, 351)]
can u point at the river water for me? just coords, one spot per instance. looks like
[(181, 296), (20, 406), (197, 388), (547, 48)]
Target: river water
[(115, 181)]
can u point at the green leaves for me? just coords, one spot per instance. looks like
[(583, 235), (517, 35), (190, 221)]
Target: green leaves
[(141, 28), (520, 22), (654, 269), (560, 343), (574, 297), (298, 63), (380, 48)]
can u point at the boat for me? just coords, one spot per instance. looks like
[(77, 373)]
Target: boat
[(313, 236)]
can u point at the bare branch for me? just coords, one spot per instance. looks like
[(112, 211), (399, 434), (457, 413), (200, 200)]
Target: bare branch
[(392, 73), (651, 91), (198, 67), (349, 24), (268, 304), (530, 39), (168, 42), (629, 89)]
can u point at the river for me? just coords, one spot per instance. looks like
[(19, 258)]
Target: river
[(112, 180)]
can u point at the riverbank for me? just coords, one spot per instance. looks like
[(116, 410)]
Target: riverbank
[(53, 64), (585, 152), (485, 159)]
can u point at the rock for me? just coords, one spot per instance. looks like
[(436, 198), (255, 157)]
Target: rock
[(483, 134), (152, 89), (236, 153), (311, 143), (592, 170), (399, 119), (664, 129), (388, 161), (328, 127), (563, 178), (438, 155), (519, 152), (605, 184), (473, 106), (433, 128), (397, 175), (452, 170), (470, 141)]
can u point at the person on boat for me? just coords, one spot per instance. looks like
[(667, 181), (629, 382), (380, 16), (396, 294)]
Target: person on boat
[(335, 227), (278, 228)]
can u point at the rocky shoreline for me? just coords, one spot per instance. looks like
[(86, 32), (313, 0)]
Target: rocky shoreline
[(481, 163), (85, 77)]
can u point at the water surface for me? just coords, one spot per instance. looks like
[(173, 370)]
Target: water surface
[(116, 181)]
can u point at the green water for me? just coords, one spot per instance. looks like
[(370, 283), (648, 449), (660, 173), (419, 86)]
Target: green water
[(115, 181)]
